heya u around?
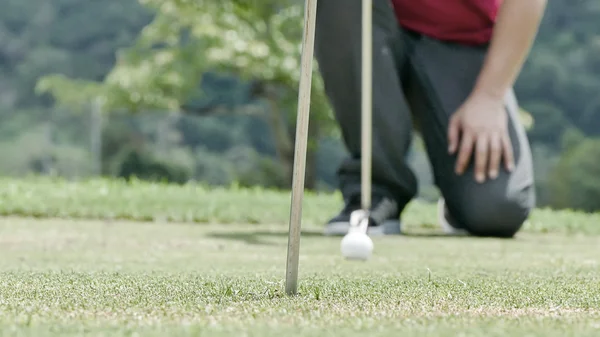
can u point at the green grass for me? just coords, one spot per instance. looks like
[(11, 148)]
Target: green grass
[(82, 259), (139, 201)]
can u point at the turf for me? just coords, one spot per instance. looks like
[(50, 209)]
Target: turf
[(117, 200), (65, 274)]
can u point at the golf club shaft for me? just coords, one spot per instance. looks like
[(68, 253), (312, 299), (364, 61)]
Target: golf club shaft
[(306, 69), (366, 101)]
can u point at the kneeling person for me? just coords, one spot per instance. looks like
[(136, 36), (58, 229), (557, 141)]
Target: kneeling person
[(449, 67)]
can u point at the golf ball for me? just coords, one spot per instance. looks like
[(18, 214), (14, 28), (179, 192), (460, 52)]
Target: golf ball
[(357, 246)]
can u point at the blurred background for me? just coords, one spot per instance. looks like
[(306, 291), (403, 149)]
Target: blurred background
[(177, 90)]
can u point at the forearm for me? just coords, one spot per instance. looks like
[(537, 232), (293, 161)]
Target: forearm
[(516, 28)]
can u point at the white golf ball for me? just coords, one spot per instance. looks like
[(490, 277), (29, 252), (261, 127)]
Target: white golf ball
[(357, 246)]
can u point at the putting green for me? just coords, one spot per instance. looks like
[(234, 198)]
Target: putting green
[(117, 278)]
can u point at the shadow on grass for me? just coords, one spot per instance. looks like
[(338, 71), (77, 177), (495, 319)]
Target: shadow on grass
[(432, 235), (260, 237), (263, 237)]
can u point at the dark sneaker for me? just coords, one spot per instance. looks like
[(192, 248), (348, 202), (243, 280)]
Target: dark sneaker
[(384, 218), (447, 222)]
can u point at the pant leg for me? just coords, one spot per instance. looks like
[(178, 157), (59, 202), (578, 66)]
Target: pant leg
[(338, 53), (442, 76)]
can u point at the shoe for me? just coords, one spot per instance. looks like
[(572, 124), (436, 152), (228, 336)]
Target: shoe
[(447, 222), (384, 218)]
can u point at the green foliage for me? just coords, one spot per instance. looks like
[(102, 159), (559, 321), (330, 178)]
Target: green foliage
[(31, 152), (560, 82), (263, 172), (144, 165), (575, 182), (75, 38), (213, 153), (526, 118), (549, 123), (571, 138), (259, 42), (73, 94)]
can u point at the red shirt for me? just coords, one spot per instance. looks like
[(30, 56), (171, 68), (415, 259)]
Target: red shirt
[(462, 21)]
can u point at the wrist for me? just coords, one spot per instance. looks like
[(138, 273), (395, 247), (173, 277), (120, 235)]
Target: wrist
[(490, 93)]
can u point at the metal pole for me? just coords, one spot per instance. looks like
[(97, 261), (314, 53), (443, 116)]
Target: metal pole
[(366, 101), (298, 175)]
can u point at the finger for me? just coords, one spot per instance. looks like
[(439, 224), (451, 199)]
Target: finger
[(495, 155), (507, 151), (453, 133), (465, 152), (481, 157)]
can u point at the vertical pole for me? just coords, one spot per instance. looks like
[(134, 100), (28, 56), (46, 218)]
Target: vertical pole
[(299, 170), (366, 101)]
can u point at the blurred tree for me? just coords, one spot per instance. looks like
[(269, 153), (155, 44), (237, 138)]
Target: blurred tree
[(256, 40), (71, 37), (146, 165), (561, 80), (575, 180)]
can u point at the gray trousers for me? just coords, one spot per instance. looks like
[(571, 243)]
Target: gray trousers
[(416, 81)]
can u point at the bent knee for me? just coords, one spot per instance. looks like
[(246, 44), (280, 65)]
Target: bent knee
[(496, 214)]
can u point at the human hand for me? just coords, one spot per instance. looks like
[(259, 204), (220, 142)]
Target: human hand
[(480, 125)]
